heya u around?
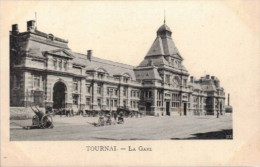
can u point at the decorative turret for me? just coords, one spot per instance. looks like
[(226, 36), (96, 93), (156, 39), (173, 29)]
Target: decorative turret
[(164, 31), (163, 44), (163, 52)]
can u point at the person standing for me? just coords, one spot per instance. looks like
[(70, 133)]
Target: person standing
[(115, 115)]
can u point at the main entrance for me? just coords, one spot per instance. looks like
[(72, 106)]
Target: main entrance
[(59, 95)]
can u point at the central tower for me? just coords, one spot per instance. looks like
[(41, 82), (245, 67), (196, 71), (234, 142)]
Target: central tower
[(163, 76)]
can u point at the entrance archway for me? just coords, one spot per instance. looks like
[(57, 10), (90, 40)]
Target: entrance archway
[(59, 95)]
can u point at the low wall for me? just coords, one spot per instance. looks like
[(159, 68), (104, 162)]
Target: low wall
[(22, 113)]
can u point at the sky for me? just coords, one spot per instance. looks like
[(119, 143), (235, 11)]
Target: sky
[(219, 38)]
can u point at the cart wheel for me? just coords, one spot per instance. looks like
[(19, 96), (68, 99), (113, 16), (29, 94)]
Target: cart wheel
[(46, 122)]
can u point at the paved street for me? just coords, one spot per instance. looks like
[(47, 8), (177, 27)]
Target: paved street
[(146, 128)]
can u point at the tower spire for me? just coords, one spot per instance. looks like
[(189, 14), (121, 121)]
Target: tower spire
[(164, 21)]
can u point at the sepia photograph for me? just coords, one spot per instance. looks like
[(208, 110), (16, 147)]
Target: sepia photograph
[(53, 87), (126, 77)]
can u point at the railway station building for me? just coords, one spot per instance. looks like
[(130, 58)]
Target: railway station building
[(45, 71)]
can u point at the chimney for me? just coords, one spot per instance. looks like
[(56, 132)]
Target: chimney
[(192, 79), (212, 77), (207, 76), (228, 99), (89, 55), (31, 25), (15, 29)]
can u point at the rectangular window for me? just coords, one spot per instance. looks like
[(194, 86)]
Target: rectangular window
[(36, 81), (116, 92), (124, 92), (131, 103), (65, 65), (75, 99), (159, 95), (115, 102), (88, 101), (134, 94), (55, 63), (75, 86), (150, 94), (185, 82), (99, 102), (107, 91), (111, 103), (88, 88), (99, 90), (159, 103), (60, 64), (107, 102)]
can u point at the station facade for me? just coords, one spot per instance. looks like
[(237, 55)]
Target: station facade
[(45, 71)]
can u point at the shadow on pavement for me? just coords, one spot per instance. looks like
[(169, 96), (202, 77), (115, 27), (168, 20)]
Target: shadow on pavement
[(223, 134)]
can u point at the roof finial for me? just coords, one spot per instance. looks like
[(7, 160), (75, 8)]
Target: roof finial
[(164, 21), (35, 20)]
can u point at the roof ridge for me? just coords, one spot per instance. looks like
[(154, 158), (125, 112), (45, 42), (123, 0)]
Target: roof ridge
[(129, 66), (113, 62)]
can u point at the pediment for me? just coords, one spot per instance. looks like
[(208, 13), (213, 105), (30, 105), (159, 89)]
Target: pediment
[(60, 53)]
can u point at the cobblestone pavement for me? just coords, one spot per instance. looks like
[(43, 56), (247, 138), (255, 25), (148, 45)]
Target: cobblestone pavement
[(145, 128)]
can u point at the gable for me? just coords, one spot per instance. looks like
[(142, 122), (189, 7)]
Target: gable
[(60, 53)]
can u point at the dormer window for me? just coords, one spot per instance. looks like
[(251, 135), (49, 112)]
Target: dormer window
[(100, 75), (125, 79), (66, 65), (51, 37), (60, 64)]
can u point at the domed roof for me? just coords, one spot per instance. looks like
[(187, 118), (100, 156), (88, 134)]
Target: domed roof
[(164, 27)]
